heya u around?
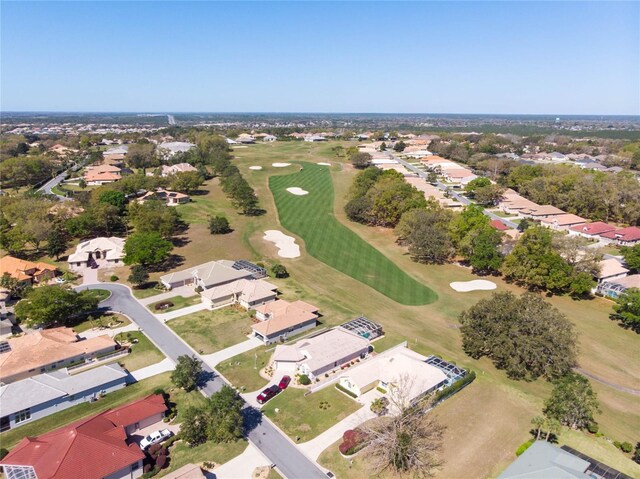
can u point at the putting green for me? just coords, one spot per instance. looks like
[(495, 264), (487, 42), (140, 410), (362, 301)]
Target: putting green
[(311, 217)]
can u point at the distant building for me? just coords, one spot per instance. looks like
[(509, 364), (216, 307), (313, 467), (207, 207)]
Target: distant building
[(314, 138), (27, 272), (269, 138), (172, 148), (170, 198), (563, 221), (102, 174), (591, 230), (167, 170), (623, 236), (245, 138)]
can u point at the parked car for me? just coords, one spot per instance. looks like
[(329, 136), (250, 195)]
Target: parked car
[(60, 280), (284, 382), (155, 437), (268, 393)]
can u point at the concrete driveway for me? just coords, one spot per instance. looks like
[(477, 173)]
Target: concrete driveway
[(242, 466), (216, 358)]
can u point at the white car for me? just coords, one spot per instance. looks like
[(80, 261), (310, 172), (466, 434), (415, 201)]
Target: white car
[(60, 280), (155, 437)]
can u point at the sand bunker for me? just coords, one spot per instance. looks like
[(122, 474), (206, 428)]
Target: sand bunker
[(324, 164), (297, 191), (280, 165), (255, 168), (475, 285), (287, 247)]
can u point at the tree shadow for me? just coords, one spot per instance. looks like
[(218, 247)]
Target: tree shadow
[(173, 261), (255, 212), (252, 419)]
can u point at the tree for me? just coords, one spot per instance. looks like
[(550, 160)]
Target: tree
[(525, 336), (154, 216), (358, 209), (279, 271), (627, 309), (226, 421), (82, 183), (57, 243), (379, 406), (470, 219), (360, 160), (553, 428), (524, 224), (187, 372), (219, 225), (139, 275), (471, 187), (632, 255), (572, 402), (390, 197), (146, 249), (186, 181), (399, 146), (114, 198), (383, 146), (538, 422), (488, 195), (48, 305), (141, 155), (430, 243), (17, 289), (193, 428), (484, 254)]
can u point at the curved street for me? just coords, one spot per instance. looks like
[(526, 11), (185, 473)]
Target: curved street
[(263, 434)]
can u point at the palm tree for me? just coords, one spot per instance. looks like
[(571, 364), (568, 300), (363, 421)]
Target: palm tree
[(538, 423)]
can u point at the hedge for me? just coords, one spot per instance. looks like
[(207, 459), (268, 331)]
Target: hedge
[(523, 447), (455, 387), (346, 391), (304, 380)]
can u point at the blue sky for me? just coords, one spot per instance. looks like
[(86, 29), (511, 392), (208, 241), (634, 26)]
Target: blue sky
[(440, 57)]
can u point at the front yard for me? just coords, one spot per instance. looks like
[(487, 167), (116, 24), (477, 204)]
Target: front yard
[(210, 331), (305, 417), (178, 302), (107, 321), (217, 453), (143, 353), (242, 370)]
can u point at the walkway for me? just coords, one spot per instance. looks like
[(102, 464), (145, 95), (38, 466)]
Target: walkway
[(216, 358), (89, 275), (162, 367), (184, 291), (623, 389), (164, 317), (242, 466)]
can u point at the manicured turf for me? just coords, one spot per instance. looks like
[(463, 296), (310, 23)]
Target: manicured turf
[(179, 302), (311, 217), (143, 353)]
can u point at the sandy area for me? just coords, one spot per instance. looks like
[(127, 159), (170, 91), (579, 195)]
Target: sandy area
[(297, 191), (287, 247), (324, 164), (239, 146), (255, 168), (475, 285), (280, 165)]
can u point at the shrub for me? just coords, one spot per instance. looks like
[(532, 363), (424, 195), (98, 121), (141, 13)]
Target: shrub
[(3, 453), (219, 225), (114, 278), (154, 449), (626, 447), (523, 447), (455, 387), (346, 391), (162, 461), (618, 444), (304, 380), (208, 465), (150, 473), (592, 427), (146, 468), (381, 390), (352, 441)]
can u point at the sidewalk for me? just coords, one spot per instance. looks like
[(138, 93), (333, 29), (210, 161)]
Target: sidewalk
[(184, 291), (161, 367), (242, 466), (164, 317), (216, 358)]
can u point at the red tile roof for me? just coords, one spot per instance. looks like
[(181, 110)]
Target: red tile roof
[(91, 449), (136, 411), (632, 233), (499, 225), (595, 228)]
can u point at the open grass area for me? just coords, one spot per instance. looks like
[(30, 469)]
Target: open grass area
[(106, 321), (147, 290), (75, 413), (305, 417), (211, 331), (217, 453), (101, 294), (179, 302), (242, 370), (143, 353), (311, 217)]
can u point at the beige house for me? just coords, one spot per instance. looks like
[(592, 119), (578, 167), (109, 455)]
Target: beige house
[(26, 272), (171, 198), (562, 221), (206, 275), (168, 170), (540, 212), (245, 292), (610, 270), (102, 174), (105, 252), (282, 319)]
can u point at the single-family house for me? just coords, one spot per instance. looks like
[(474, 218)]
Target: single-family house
[(282, 319), (314, 138), (540, 212), (591, 230), (44, 394), (513, 203), (171, 198), (97, 447), (562, 221), (245, 292), (245, 138), (458, 176), (105, 252), (610, 270), (431, 191), (172, 148), (167, 170), (269, 138), (403, 373), (623, 236), (48, 349), (207, 275), (102, 174), (27, 272), (320, 354)]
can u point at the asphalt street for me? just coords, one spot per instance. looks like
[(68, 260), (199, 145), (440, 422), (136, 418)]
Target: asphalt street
[(46, 188), (292, 463)]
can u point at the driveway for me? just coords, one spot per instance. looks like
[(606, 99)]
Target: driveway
[(272, 442), (184, 291), (242, 466), (89, 275), (162, 367), (216, 358)]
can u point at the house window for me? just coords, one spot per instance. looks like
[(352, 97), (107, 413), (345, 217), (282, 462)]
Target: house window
[(23, 415), (135, 466), (5, 423)]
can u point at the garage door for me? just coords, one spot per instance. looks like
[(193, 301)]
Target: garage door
[(285, 366)]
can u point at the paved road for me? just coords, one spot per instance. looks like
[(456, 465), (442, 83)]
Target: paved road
[(46, 188), (263, 434), (462, 199)]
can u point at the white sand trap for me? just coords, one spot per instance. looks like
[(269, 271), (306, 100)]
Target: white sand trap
[(280, 165), (239, 146), (297, 191), (287, 247), (324, 164), (475, 285), (255, 168)]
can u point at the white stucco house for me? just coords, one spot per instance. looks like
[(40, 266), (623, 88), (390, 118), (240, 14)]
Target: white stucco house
[(105, 252)]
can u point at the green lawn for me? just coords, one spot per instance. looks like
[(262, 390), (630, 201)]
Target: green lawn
[(242, 370), (311, 217), (211, 331), (143, 353), (182, 454), (302, 416), (101, 294), (107, 320), (147, 290), (179, 302)]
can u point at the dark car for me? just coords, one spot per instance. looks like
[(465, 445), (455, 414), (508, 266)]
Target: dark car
[(268, 393), (284, 382)]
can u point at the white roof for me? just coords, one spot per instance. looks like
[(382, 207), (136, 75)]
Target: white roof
[(330, 347), (117, 150), (611, 267), (211, 274), (113, 246), (247, 290), (176, 146)]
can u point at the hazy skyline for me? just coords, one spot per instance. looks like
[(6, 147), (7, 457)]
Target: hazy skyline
[(510, 58)]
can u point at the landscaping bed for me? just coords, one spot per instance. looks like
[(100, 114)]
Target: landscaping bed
[(174, 303)]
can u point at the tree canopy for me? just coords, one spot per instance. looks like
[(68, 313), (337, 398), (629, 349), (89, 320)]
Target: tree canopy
[(187, 372), (56, 304), (627, 309), (572, 402), (146, 248)]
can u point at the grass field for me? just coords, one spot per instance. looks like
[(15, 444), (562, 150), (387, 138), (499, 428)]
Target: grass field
[(242, 370), (211, 331), (143, 353), (179, 302), (218, 453), (311, 218), (303, 417), (100, 320)]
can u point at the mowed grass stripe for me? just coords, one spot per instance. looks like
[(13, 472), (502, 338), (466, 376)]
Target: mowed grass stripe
[(311, 217)]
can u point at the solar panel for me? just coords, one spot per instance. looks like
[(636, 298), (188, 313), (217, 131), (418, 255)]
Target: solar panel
[(597, 468)]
